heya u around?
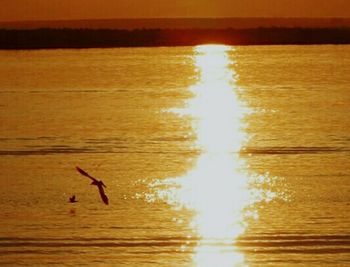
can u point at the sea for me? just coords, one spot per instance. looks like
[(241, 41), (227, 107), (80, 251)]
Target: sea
[(211, 155)]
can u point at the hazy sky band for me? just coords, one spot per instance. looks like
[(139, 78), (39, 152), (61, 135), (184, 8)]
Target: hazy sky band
[(13, 10)]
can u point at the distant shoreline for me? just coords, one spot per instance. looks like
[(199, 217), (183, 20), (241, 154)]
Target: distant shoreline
[(108, 38)]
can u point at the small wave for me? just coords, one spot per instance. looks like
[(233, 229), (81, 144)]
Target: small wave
[(71, 150), (295, 244), (294, 150), (271, 242), (45, 151)]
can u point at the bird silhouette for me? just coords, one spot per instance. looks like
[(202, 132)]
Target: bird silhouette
[(96, 182), (72, 199)]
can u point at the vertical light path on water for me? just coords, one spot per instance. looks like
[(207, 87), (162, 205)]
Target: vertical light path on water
[(218, 189)]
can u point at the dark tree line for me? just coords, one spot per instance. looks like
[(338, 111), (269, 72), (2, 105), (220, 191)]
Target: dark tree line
[(89, 38)]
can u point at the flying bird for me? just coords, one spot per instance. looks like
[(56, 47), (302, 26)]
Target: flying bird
[(96, 182), (72, 199)]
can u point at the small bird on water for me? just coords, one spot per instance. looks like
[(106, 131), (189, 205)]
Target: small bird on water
[(96, 182), (72, 199)]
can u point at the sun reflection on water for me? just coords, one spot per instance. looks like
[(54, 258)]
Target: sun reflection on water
[(218, 188)]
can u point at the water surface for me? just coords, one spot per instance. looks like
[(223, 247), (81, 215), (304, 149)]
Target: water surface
[(212, 155)]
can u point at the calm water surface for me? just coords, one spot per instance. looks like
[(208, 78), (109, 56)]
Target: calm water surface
[(212, 156)]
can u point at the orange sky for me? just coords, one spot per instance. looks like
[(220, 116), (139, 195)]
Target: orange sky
[(86, 9)]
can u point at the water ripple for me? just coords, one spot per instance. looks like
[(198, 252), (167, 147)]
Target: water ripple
[(294, 150), (329, 244)]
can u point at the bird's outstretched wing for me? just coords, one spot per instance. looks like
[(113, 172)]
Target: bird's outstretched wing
[(99, 184), (103, 195), (85, 174)]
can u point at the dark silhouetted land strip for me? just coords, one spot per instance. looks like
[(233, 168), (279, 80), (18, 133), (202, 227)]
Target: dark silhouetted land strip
[(100, 38)]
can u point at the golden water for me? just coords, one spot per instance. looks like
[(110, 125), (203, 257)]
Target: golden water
[(212, 155)]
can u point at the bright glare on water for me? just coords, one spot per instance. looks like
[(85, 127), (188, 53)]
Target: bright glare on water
[(218, 188)]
